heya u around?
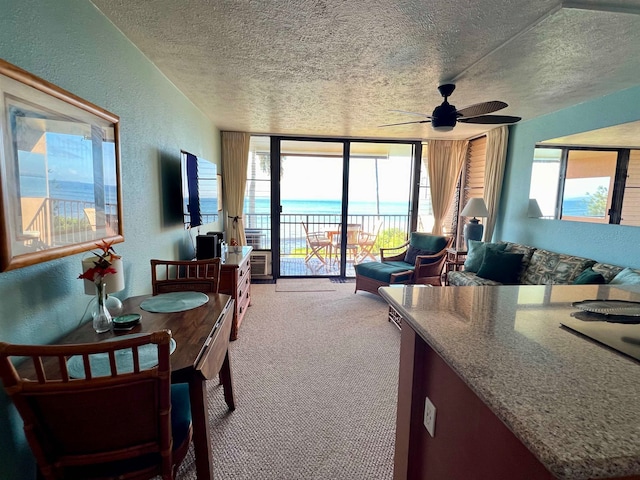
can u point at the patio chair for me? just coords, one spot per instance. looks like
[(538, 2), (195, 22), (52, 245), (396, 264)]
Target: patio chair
[(101, 410), (366, 242), (317, 243), (353, 233)]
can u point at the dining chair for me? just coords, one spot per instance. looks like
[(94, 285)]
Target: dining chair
[(318, 242), (101, 410), (185, 275)]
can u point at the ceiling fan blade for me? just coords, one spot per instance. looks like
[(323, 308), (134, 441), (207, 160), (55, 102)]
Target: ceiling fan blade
[(404, 123), (491, 119), (411, 113), (481, 108)]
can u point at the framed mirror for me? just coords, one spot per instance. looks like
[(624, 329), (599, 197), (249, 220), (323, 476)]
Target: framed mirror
[(59, 172), (588, 177)]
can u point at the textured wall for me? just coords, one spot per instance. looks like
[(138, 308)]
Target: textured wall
[(69, 43), (608, 243)]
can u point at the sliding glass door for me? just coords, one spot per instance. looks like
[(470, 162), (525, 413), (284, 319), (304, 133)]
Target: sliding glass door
[(310, 207), (318, 207)]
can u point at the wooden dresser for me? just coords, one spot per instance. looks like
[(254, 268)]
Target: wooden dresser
[(235, 280)]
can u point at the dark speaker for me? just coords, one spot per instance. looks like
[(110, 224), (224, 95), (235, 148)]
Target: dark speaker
[(207, 246)]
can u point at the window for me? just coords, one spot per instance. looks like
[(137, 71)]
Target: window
[(470, 184), (587, 184), (257, 199)]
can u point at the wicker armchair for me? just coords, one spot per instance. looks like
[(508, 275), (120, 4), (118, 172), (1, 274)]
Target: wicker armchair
[(420, 260)]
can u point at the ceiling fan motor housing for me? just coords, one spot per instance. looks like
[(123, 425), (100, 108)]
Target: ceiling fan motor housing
[(444, 116)]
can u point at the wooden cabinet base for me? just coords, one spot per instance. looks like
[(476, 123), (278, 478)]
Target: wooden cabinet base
[(235, 280), (469, 441)]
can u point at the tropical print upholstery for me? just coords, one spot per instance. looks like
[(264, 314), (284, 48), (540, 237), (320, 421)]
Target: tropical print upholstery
[(606, 270), (541, 267), (548, 268)]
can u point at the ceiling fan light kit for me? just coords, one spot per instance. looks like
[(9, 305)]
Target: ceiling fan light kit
[(445, 116)]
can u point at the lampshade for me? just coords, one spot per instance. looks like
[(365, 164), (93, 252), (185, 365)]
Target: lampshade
[(114, 282), (534, 209), (475, 208)]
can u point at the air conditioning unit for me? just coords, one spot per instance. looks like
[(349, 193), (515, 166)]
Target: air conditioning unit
[(261, 264)]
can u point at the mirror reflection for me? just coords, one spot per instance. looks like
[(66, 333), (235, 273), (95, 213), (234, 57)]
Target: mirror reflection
[(588, 177)]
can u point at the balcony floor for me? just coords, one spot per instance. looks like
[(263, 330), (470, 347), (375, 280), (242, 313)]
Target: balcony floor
[(296, 267)]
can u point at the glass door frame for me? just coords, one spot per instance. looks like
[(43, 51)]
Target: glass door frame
[(275, 155)]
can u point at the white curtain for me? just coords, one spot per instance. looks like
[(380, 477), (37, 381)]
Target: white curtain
[(497, 140), (235, 157), (445, 160)]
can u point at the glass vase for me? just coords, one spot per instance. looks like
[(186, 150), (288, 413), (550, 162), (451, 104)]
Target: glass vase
[(101, 317)]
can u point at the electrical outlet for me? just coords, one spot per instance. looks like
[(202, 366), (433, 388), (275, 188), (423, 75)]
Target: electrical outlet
[(430, 417)]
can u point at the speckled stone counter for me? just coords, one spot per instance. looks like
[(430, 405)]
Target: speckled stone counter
[(572, 402)]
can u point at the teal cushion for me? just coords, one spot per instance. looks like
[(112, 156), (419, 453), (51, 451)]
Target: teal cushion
[(500, 266), (180, 412), (413, 252), (589, 277), (475, 255), (381, 271), (428, 242), (626, 277)]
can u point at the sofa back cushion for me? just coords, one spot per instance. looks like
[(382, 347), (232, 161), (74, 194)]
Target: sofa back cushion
[(500, 266), (427, 242), (589, 277), (525, 250), (475, 255), (548, 268), (627, 276), (606, 270)]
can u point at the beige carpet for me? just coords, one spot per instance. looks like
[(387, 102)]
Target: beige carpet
[(304, 285), (315, 378)]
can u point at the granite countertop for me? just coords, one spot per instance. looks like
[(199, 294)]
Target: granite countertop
[(573, 402)]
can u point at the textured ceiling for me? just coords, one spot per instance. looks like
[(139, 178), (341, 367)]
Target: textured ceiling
[(338, 68)]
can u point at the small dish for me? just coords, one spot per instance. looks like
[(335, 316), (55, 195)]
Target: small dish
[(126, 322)]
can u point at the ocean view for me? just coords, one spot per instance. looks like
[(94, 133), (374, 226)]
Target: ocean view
[(63, 190), (327, 207)]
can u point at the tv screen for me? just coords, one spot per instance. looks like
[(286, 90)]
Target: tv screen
[(199, 190)]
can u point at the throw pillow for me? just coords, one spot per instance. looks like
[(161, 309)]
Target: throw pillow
[(626, 277), (500, 266), (413, 252), (589, 277), (475, 255)]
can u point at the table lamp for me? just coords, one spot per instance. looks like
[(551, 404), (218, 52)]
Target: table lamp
[(473, 229)]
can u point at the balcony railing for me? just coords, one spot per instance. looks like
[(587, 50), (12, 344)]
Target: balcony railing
[(293, 242)]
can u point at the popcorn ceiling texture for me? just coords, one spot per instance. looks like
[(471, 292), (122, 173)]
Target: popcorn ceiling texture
[(336, 68)]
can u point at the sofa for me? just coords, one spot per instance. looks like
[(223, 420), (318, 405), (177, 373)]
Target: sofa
[(506, 263)]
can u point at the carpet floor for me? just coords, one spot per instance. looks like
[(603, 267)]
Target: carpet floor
[(304, 285), (315, 378)]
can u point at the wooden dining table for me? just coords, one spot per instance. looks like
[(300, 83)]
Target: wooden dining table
[(202, 340)]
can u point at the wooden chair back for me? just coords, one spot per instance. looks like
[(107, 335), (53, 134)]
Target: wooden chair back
[(185, 275), (96, 426), (428, 268)]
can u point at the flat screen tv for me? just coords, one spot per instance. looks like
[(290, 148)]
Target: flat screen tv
[(199, 190)]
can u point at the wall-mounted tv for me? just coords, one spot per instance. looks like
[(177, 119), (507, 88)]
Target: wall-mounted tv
[(199, 190)]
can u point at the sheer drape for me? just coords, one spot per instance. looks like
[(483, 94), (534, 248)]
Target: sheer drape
[(445, 159), (493, 174), (235, 157)]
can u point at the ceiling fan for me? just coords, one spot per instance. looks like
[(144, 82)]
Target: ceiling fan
[(445, 116)]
